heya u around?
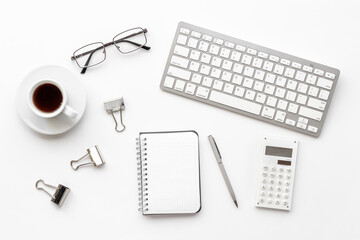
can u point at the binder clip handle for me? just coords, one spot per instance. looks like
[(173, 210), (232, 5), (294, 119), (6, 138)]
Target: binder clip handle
[(114, 106), (95, 157), (60, 192)]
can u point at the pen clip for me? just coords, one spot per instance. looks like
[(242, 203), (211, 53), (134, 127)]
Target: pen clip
[(215, 147)]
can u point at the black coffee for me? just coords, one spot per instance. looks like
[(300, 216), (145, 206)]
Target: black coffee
[(47, 97)]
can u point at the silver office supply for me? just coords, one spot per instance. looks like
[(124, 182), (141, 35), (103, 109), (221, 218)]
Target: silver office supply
[(222, 169), (60, 192), (249, 79), (95, 157), (114, 106)]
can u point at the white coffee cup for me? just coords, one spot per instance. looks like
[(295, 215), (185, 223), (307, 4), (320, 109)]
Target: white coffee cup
[(61, 107)]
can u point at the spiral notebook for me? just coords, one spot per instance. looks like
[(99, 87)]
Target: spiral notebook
[(169, 172)]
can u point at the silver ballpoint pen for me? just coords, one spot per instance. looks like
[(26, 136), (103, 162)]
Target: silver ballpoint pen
[(222, 169)]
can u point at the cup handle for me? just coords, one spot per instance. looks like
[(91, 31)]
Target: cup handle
[(68, 111)]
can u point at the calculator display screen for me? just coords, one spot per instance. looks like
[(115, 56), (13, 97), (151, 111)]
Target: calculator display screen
[(278, 151), (281, 162)]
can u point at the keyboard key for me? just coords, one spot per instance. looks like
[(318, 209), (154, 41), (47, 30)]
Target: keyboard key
[(229, 44), (185, 31), (250, 95), (319, 72), (257, 62), (226, 76), (279, 69), (181, 39), (202, 92), (239, 91), (268, 112), (194, 66), (280, 116), (310, 113), (214, 49), (280, 81), (237, 79), (259, 75), (195, 55), (307, 68), (259, 86), (291, 96), (216, 61), (227, 65), (235, 56), (192, 42), (285, 62), (324, 83), (246, 59), (274, 58), (225, 53), (207, 37), (290, 122), (293, 108), (301, 99), (251, 51), (169, 82), (196, 78), (238, 68), (268, 66), (302, 88), (303, 120), (269, 89), (291, 84), (316, 103), (182, 51), (196, 34), (179, 61), (218, 85), (207, 81), (330, 75), (260, 98), (190, 88), (179, 73), (313, 91), (280, 92), (282, 104), (271, 101), (229, 88), (263, 55), (301, 125), (270, 78), (248, 71), (179, 85), (218, 41), (215, 73), (203, 46), (240, 48), (311, 79), (289, 72), (312, 129), (324, 94), (205, 58), (296, 65), (248, 82), (300, 76), (205, 69), (235, 102)]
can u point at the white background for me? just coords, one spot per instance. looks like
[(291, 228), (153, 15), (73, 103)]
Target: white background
[(102, 203)]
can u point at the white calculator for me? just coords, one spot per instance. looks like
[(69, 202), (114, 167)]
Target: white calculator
[(277, 174)]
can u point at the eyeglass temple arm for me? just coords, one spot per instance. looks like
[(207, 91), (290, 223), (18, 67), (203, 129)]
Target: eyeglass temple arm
[(88, 60)]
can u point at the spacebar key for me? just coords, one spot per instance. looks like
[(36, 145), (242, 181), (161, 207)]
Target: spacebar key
[(235, 102)]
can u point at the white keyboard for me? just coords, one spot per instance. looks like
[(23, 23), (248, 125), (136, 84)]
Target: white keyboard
[(249, 79)]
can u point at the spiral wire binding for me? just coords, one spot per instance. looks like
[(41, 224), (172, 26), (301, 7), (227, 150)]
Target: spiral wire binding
[(141, 149)]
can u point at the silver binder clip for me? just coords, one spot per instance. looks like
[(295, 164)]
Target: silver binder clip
[(60, 193), (95, 157), (114, 106)]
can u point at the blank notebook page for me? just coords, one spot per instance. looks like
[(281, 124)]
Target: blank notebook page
[(173, 172)]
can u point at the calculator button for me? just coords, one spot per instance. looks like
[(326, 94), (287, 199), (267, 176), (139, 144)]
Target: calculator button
[(264, 174), (271, 188), (287, 184), (286, 189), (273, 169), (289, 170), (272, 181), (278, 195), (277, 202), (272, 175), (279, 182), (270, 195), (280, 176), (263, 187), (279, 189), (281, 169), (285, 203), (288, 176), (269, 201), (264, 180), (265, 168), (286, 196), (262, 200), (262, 193)]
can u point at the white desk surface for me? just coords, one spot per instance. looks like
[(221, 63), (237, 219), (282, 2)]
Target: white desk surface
[(103, 202)]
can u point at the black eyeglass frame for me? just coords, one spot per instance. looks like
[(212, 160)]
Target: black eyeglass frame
[(114, 42)]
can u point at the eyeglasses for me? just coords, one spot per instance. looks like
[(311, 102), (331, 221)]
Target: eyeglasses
[(126, 42)]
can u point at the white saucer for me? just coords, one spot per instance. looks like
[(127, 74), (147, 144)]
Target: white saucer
[(61, 123)]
